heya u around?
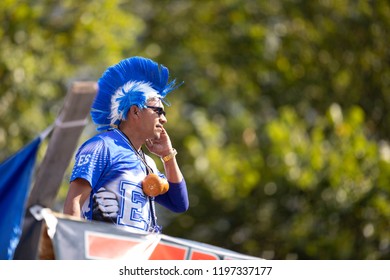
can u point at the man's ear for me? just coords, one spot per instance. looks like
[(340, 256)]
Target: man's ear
[(134, 111)]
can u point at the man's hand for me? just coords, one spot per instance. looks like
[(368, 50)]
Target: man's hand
[(105, 206), (160, 147)]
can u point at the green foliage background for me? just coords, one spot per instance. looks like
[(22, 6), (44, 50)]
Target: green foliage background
[(281, 124)]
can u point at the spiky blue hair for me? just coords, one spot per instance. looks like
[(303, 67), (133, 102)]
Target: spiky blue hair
[(130, 82)]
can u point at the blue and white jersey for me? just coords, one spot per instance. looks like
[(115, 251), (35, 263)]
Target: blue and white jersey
[(108, 160)]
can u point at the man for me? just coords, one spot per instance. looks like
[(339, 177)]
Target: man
[(111, 172)]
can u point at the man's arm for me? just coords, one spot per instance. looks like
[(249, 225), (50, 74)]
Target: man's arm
[(78, 192), (172, 170)]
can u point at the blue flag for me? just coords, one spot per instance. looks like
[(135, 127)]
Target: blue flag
[(15, 179)]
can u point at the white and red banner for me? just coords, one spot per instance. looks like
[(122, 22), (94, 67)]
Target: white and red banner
[(80, 240)]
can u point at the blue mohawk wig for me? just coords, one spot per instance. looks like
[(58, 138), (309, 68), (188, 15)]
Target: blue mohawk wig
[(132, 81)]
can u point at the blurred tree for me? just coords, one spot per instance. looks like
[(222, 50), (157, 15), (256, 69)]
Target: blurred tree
[(45, 45), (275, 168)]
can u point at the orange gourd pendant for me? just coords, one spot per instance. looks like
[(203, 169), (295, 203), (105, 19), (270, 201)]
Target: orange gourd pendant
[(153, 185)]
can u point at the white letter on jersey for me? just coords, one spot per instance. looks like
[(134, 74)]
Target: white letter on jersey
[(83, 159), (134, 211)]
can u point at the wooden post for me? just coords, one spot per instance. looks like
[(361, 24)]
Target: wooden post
[(66, 133), (63, 141)]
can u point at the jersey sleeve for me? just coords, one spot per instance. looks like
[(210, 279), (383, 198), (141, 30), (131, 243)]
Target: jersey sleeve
[(91, 160), (176, 199)]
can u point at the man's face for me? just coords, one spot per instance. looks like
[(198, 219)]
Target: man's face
[(153, 118)]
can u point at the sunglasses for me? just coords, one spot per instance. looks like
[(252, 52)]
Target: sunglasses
[(159, 110)]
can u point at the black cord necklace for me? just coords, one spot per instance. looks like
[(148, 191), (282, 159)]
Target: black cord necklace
[(140, 154)]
